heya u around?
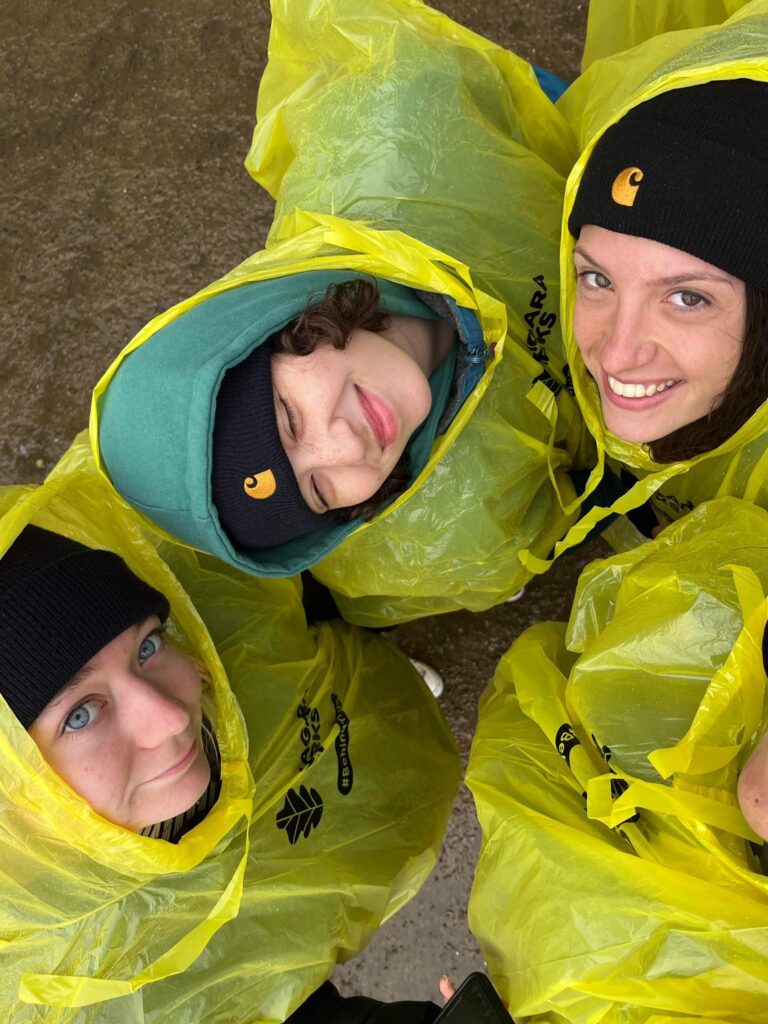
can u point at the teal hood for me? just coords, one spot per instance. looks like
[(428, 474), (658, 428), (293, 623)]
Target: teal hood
[(157, 415)]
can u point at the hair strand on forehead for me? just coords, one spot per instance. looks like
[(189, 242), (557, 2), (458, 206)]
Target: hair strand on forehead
[(346, 307)]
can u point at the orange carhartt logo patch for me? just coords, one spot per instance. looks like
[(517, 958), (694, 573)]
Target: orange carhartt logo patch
[(260, 485), (625, 186)]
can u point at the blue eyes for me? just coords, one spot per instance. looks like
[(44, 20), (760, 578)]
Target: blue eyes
[(150, 645), (88, 711), (82, 715)]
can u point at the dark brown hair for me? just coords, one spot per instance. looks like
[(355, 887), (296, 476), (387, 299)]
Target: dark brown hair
[(747, 390), (346, 307)]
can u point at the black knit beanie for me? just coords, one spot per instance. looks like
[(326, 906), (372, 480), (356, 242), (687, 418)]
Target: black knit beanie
[(254, 488), (688, 168), (60, 603)]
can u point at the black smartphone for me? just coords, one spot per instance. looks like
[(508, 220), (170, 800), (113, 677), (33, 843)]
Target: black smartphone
[(475, 1001)]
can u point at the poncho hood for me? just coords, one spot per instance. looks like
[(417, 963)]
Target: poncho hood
[(170, 383), (597, 100)]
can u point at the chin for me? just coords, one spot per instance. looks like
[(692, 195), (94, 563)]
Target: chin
[(634, 436), (184, 795), (636, 433), (191, 793)]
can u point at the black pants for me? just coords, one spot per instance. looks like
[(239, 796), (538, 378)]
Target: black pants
[(326, 1006)]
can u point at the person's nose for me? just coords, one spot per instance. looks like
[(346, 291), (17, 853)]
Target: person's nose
[(149, 713), (627, 340), (344, 442)]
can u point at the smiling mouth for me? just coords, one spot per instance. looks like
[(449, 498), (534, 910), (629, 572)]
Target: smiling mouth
[(180, 765), (624, 390), (379, 417)]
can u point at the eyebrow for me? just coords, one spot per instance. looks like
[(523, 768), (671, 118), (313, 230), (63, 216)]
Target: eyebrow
[(76, 680), (703, 275)]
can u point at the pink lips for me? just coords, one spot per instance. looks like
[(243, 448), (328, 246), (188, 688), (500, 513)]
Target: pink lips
[(380, 417), (185, 762)]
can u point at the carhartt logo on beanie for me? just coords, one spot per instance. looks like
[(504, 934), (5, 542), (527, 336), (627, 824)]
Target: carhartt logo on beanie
[(625, 186), (260, 486), (60, 603), (688, 168), (254, 489)]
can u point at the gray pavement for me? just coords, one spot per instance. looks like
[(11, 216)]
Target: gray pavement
[(124, 129)]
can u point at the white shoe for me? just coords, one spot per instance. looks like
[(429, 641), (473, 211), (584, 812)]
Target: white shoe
[(433, 679), (515, 597)]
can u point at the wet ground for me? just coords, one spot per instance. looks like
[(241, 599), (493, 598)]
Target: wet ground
[(123, 132)]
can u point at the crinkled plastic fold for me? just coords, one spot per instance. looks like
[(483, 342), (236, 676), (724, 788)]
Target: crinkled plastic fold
[(618, 879)]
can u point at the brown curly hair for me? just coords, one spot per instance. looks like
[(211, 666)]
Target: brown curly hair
[(745, 393), (346, 307)]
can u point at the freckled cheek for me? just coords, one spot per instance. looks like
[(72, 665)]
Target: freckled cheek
[(97, 772), (350, 488), (587, 346), (582, 329), (319, 449), (194, 691), (181, 680), (98, 781)]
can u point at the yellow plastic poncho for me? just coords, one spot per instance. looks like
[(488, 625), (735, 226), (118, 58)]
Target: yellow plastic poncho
[(338, 777), (600, 97), (400, 144), (613, 27), (616, 881)]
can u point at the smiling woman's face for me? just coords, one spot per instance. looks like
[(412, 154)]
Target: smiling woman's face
[(125, 733), (346, 415), (660, 331)]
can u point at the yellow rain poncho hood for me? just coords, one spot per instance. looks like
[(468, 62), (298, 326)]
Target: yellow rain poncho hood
[(400, 145), (338, 775), (618, 881), (600, 97)]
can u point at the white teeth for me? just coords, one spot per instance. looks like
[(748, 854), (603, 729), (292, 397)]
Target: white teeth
[(638, 390)]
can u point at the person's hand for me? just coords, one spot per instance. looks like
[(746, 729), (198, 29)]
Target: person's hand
[(447, 988)]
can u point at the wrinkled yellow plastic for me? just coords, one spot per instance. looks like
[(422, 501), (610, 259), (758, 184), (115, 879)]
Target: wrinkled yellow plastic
[(601, 96), (583, 913), (410, 121), (401, 144), (613, 27), (234, 924)]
